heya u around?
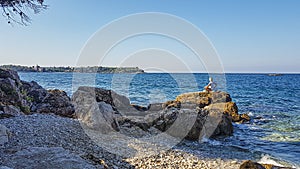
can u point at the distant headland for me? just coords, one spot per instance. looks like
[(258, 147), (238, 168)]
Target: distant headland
[(88, 69)]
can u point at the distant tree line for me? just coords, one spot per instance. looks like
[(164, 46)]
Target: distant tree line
[(94, 69)]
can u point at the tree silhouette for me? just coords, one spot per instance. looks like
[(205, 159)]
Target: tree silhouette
[(14, 10)]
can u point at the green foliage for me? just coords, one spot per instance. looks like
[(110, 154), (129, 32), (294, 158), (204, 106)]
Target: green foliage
[(29, 99), (13, 10), (23, 92), (26, 97), (25, 109)]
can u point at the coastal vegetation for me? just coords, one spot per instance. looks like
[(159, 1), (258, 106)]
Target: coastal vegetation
[(89, 69)]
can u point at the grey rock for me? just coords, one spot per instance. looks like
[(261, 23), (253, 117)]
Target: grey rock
[(44, 157), (9, 92), (57, 102), (34, 91), (12, 111), (108, 96), (95, 115), (4, 74), (156, 107), (108, 113)]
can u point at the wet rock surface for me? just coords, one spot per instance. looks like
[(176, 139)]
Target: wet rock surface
[(248, 164)]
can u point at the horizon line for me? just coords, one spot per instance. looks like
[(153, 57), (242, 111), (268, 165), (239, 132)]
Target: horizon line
[(178, 72)]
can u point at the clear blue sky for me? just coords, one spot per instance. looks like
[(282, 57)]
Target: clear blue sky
[(250, 36)]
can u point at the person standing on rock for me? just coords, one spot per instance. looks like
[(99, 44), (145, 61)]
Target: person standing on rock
[(211, 85)]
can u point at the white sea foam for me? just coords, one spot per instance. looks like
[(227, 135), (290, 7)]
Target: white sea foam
[(266, 159), (210, 141), (250, 114)]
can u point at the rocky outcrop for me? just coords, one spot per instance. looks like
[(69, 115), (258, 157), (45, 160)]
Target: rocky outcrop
[(184, 117), (51, 101), (210, 101), (254, 165), (47, 157), (19, 97), (12, 99)]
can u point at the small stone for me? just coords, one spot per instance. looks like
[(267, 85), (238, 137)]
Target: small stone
[(233, 162)]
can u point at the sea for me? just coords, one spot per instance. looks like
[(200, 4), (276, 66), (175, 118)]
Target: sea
[(273, 102)]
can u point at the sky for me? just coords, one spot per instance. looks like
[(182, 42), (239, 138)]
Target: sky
[(249, 36)]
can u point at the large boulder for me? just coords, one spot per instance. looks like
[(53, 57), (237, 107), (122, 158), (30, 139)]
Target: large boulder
[(93, 106), (194, 124), (57, 102), (202, 99), (230, 109), (5, 74), (35, 92), (11, 96), (108, 96)]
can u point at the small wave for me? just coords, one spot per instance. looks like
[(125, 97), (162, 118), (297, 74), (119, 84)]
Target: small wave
[(282, 137), (250, 114), (266, 159), (211, 142)]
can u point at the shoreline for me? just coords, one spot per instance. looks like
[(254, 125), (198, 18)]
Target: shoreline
[(44, 130), (54, 127), (30, 127)]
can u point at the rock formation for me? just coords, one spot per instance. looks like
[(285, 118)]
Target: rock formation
[(19, 97), (12, 100), (94, 108), (190, 115), (185, 117), (254, 165)]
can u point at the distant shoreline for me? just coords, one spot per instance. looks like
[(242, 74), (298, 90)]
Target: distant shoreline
[(110, 70), (68, 69)]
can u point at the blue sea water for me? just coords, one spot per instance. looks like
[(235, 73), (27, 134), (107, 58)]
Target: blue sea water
[(273, 102)]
